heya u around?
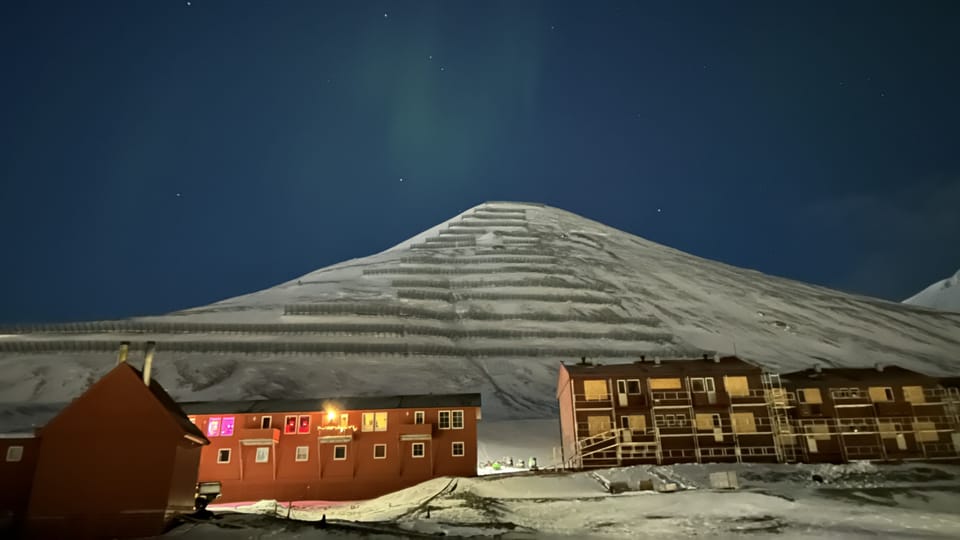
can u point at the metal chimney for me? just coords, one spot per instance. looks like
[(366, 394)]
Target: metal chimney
[(124, 349), (879, 367), (656, 360), (817, 368), (716, 358), (148, 361)]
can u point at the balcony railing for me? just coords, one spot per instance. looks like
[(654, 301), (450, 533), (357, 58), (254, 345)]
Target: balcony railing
[(415, 432), (258, 436)]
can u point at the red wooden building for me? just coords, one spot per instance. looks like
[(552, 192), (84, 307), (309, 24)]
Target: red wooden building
[(119, 461), (335, 449)]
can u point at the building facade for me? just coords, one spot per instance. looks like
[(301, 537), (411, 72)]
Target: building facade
[(659, 412), (335, 449), (882, 413), (725, 409), (119, 461)]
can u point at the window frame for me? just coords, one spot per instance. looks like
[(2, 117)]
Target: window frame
[(306, 456), (288, 428), (440, 422), (14, 454), (453, 449), (220, 460), (419, 417), (303, 428), (374, 424), (639, 387), (413, 450), (266, 454), (337, 447), (213, 426), (230, 421), (266, 422), (453, 419), (384, 456), (593, 395)]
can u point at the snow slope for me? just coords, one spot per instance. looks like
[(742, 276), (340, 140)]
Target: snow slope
[(944, 294), (852, 501), (491, 300)]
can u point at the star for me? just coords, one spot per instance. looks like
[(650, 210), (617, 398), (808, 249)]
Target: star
[(178, 193), (430, 57), (658, 210), (188, 4), (443, 69), (386, 15), (401, 179)]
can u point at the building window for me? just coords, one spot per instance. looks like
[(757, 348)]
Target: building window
[(708, 421), (696, 385), (375, 421), (418, 417), (213, 427), (192, 419), (14, 453), (880, 393), (265, 422), (457, 419), (289, 424), (379, 451), (809, 395), (913, 394), (340, 452), (736, 386), (598, 424), (344, 420), (304, 424), (743, 422), (444, 420), (263, 454), (636, 423), (303, 453), (226, 426), (417, 450), (665, 384), (633, 386), (595, 390), (457, 449), (223, 455)]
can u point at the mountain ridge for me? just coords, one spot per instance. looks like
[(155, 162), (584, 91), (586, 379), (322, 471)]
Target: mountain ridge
[(492, 300)]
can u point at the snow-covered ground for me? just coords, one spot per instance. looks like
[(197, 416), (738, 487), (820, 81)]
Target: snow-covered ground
[(944, 294), (850, 501), (858, 500)]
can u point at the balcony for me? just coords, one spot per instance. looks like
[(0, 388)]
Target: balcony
[(258, 436), (670, 398), (752, 397), (849, 396), (415, 432)]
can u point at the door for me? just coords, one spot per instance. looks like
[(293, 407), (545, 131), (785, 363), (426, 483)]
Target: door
[(711, 390), (812, 445), (622, 392), (901, 442)]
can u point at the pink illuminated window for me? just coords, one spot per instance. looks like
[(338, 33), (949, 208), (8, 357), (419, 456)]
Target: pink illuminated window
[(226, 426), (304, 423), (290, 424), (213, 427)]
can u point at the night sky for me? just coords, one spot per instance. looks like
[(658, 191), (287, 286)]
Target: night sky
[(157, 155)]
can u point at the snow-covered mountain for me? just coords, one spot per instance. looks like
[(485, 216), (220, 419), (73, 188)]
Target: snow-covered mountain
[(491, 300), (944, 294)]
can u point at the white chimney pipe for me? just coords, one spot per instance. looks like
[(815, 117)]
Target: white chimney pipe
[(122, 355), (148, 361)]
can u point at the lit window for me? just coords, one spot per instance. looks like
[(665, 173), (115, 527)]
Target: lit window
[(14, 453), (290, 424), (265, 422), (226, 426), (344, 420), (379, 451), (263, 454), (418, 417), (223, 455), (192, 419), (340, 452), (457, 419), (444, 422), (303, 453), (595, 390), (418, 450), (458, 449), (375, 421), (213, 427), (304, 423)]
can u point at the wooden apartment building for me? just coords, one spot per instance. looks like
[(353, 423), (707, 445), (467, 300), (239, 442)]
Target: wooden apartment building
[(724, 409), (335, 449), (882, 413), (669, 411)]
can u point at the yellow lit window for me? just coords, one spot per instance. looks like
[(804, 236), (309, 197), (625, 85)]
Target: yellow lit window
[(743, 422), (809, 395), (665, 384), (881, 393), (913, 394), (598, 424), (736, 386), (595, 390)]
